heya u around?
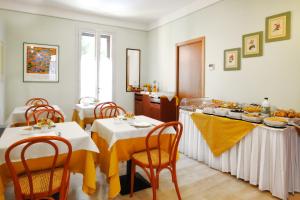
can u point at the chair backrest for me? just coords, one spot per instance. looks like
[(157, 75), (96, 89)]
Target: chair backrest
[(87, 99), (29, 142), (166, 141), (36, 101), (112, 111), (28, 112), (46, 113), (100, 110)]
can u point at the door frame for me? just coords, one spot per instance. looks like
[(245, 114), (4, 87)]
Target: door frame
[(178, 45)]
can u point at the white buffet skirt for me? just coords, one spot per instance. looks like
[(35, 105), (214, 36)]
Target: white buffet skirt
[(266, 157)]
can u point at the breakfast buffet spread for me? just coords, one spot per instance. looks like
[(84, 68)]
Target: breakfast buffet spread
[(255, 113)]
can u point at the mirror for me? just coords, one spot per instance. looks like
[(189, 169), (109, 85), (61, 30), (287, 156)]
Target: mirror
[(133, 62)]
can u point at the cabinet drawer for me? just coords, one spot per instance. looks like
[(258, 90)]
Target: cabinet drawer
[(155, 110), (138, 108)]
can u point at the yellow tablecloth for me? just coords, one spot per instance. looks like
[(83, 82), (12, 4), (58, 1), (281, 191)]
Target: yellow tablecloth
[(221, 133), (82, 122), (81, 162), (122, 150)]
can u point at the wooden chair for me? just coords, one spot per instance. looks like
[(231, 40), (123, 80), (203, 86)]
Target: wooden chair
[(112, 111), (52, 114), (88, 99), (36, 101), (154, 159), (107, 110), (43, 184), (28, 112)]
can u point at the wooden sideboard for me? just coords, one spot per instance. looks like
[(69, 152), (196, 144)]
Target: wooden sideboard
[(158, 108)]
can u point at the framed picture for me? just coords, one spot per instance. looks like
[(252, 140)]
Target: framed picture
[(253, 45), (232, 59), (40, 62), (278, 27)]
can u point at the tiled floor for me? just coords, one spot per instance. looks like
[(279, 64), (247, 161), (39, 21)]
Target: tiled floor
[(196, 181)]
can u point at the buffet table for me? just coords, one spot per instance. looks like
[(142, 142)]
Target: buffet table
[(266, 157)]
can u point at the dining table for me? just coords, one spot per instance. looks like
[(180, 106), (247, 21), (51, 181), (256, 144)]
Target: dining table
[(17, 116), (39, 156), (83, 114), (264, 156), (118, 139)]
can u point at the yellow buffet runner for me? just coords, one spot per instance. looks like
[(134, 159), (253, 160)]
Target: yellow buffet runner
[(221, 133)]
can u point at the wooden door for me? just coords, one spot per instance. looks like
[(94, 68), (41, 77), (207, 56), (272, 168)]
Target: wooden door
[(190, 68)]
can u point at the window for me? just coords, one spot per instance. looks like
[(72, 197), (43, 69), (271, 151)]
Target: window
[(96, 66)]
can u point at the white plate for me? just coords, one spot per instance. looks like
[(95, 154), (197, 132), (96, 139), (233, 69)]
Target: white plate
[(221, 111), (208, 110), (294, 121), (234, 115), (141, 124), (274, 123), (252, 119)]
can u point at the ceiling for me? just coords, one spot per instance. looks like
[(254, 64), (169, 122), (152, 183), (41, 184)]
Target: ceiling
[(143, 13)]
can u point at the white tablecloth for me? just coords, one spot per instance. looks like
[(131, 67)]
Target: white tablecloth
[(85, 111), (18, 114), (112, 129), (266, 157), (71, 131)]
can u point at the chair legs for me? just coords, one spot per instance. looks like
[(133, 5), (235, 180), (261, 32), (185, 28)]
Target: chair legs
[(154, 179), (174, 179), (154, 187), (157, 178), (132, 178)]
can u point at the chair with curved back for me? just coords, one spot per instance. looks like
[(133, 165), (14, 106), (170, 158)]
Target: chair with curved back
[(36, 101), (112, 111), (28, 112), (45, 113), (158, 157), (43, 184), (107, 110)]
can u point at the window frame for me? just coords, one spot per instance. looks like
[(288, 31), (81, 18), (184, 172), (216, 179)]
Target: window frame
[(97, 34)]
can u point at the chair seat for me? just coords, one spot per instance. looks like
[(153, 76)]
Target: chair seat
[(41, 180), (142, 157)]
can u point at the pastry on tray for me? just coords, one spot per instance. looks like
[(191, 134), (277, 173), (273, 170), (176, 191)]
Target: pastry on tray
[(252, 109)]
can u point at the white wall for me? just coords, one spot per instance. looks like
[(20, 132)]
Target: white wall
[(2, 86), (275, 75), (22, 27)]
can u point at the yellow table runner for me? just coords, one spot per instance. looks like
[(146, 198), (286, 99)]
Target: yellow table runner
[(108, 159), (81, 122), (221, 133), (81, 162)]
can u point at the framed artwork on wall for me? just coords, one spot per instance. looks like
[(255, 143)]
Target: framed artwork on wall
[(232, 59), (253, 44), (40, 62), (278, 27)]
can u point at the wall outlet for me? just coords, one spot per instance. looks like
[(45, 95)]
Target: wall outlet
[(211, 67)]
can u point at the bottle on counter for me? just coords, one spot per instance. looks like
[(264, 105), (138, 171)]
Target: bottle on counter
[(154, 87), (266, 108)]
